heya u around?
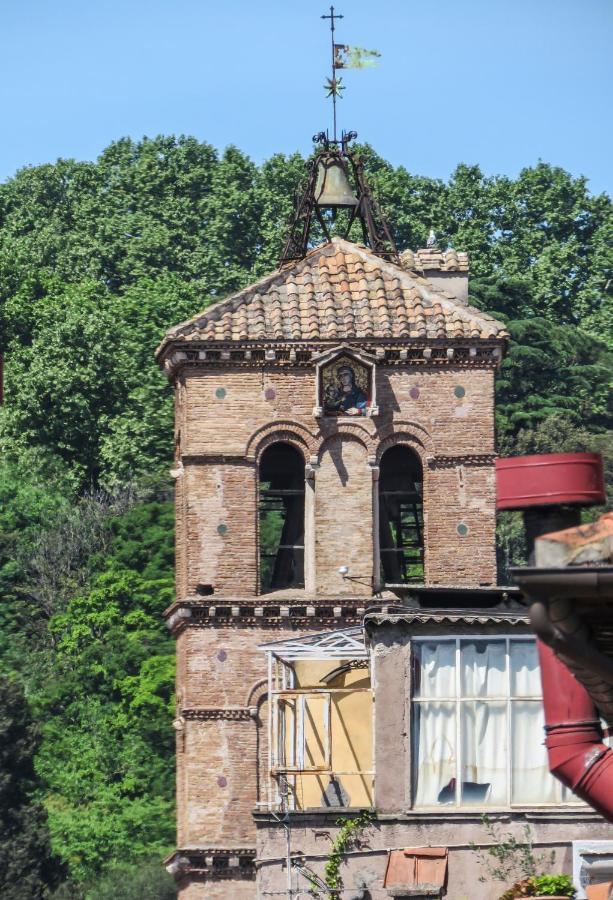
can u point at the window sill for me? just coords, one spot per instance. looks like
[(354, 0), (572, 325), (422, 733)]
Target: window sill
[(571, 812)]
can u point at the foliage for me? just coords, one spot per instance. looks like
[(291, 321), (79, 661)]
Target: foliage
[(106, 753), (28, 869), (349, 834), (505, 856), (550, 371), (541, 886), (97, 260), (145, 881), (30, 501)]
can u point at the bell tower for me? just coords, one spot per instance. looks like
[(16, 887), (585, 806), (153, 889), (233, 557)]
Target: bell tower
[(334, 448)]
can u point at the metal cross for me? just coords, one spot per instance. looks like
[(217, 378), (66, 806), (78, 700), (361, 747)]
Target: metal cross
[(333, 16)]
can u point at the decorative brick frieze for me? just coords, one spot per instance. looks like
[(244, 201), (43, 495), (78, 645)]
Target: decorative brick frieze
[(213, 863), (471, 459), (210, 713), (194, 614), (282, 356)]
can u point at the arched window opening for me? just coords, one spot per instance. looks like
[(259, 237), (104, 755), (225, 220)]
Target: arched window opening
[(401, 517), (281, 512)]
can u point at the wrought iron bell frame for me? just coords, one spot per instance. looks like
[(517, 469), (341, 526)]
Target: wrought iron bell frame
[(375, 230)]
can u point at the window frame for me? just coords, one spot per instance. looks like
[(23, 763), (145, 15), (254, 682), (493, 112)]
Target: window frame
[(562, 793)]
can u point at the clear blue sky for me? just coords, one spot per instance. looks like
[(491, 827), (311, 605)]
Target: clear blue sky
[(501, 83)]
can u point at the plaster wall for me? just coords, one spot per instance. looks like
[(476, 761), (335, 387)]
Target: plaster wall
[(311, 836), (454, 282)]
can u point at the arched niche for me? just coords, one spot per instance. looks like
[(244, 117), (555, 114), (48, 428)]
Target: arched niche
[(401, 520), (281, 517)]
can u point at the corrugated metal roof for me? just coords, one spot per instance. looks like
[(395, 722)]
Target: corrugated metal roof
[(448, 616)]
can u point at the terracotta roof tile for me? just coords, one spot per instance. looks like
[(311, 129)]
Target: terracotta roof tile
[(342, 290), (433, 259)]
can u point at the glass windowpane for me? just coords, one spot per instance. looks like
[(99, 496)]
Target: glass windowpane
[(434, 746), (484, 668), (437, 669), (484, 754), (532, 782), (525, 671)]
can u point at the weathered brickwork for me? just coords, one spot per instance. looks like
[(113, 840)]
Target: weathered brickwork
[(217, 485), (434, 391), (221, 527), (343, 518)]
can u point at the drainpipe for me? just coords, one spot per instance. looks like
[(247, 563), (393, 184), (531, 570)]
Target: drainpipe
[(551, 489), (573, 736)]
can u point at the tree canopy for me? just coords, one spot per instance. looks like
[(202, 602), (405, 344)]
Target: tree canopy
[(97, 260)]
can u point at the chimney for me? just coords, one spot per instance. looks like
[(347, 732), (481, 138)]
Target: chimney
[(446, 270)]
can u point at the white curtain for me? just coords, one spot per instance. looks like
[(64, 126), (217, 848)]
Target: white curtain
[(484, 669), (437, 669), (530, 777), (435, 724), (435, 749), (484, 753), (483, 707)]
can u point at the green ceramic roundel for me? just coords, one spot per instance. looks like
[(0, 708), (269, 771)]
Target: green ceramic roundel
[(220, 393), (462, 529), (222, 529), (459, 391)]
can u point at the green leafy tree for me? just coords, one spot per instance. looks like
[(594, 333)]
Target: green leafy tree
[(28, 869), (106, 755), (552, 370)]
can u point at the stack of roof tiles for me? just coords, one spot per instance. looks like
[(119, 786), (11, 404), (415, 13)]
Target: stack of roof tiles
[(341, 291)]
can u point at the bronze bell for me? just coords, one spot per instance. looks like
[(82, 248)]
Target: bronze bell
[(332, 188)]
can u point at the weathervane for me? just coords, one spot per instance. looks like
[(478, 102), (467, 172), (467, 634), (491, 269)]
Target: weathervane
[(344, 57), (329, 189)]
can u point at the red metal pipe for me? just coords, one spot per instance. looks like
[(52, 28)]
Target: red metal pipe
[(550, 479), (577, 756)]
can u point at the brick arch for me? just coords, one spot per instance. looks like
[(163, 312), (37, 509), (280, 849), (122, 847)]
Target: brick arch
[(283, 431), (257, 693), (410, 433), (348, 430), (408, 440)]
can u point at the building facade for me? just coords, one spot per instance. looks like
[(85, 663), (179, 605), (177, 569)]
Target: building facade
[(342, 644)]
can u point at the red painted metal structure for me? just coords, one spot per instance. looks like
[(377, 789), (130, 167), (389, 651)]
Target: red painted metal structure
[(552, 479), (577, 755)]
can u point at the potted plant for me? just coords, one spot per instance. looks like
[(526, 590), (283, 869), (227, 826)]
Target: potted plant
[(556, 887)]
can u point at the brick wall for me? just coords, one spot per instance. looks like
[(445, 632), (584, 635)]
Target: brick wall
[(221, 520), (219, 771), (441, 411), (343, 519)]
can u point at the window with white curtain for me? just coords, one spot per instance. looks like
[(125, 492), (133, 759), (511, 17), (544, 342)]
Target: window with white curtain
[(478, 736)]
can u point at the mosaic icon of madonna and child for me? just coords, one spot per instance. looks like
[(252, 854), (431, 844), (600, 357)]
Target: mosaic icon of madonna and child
[(345, 388)]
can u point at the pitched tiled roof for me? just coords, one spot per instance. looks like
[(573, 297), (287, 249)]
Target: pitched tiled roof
[(339, 291)]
